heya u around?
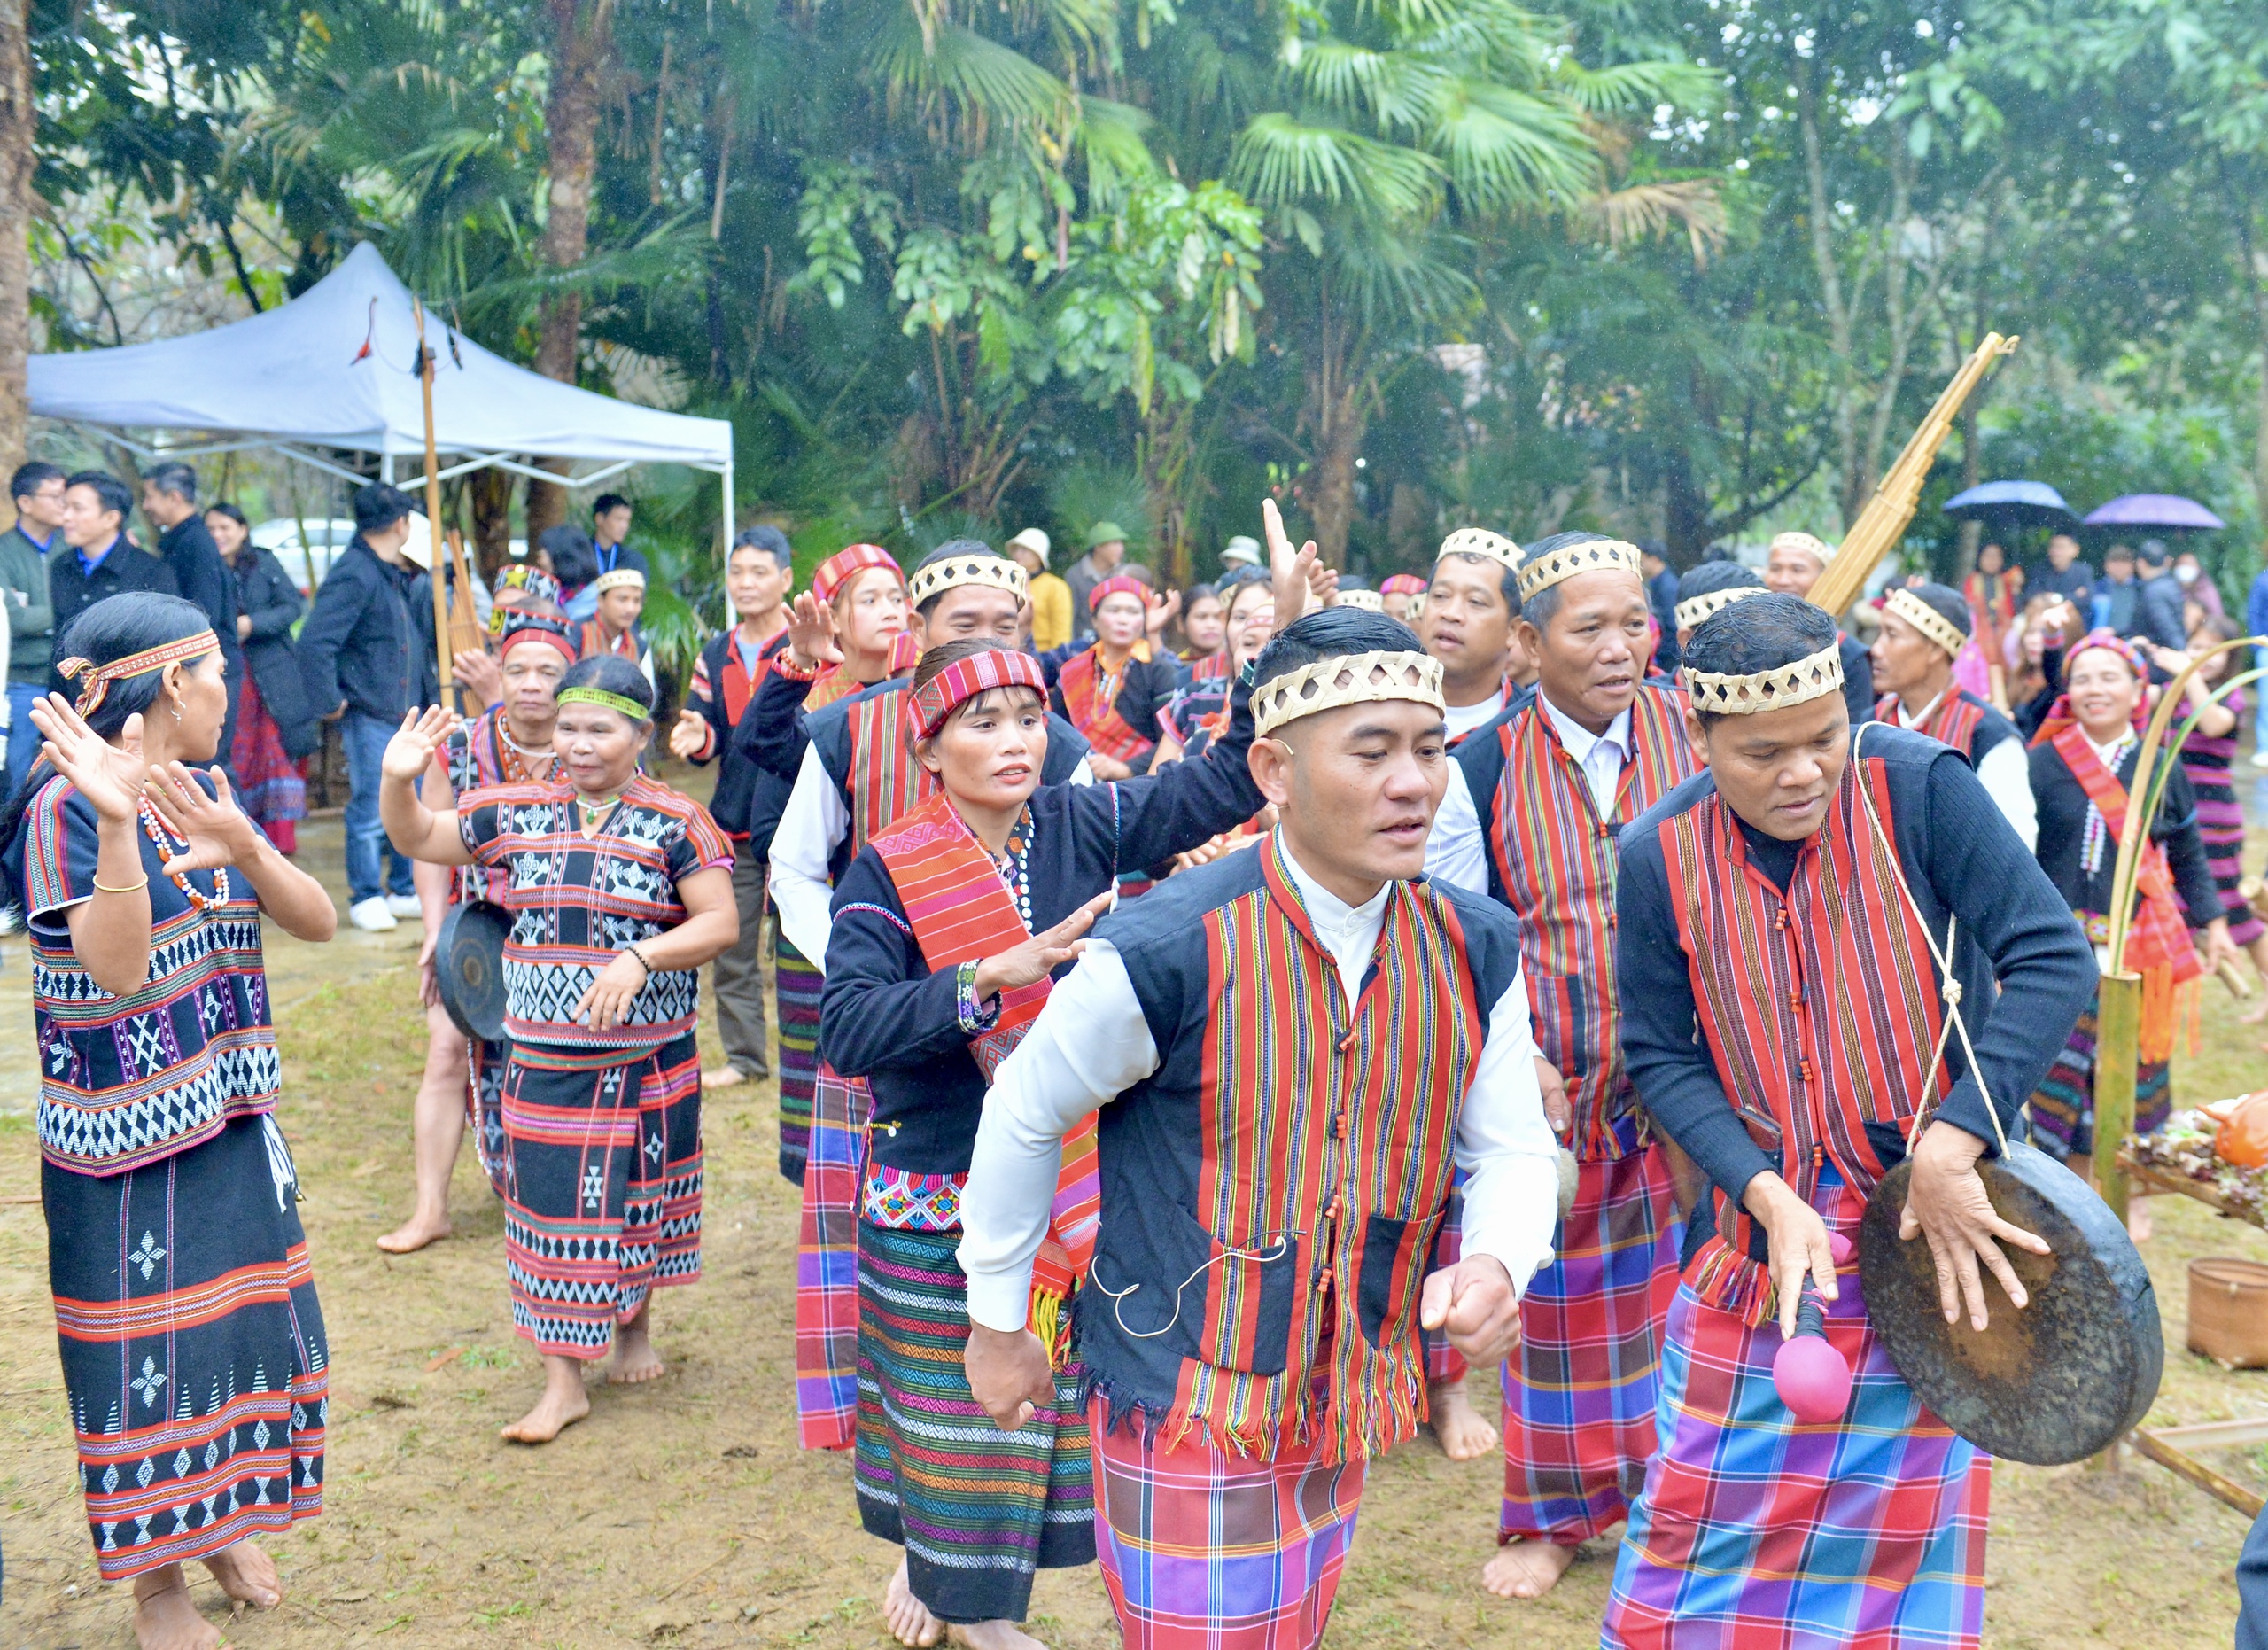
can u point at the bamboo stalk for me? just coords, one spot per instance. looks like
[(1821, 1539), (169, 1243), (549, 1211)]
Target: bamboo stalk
[(2118, 1032), (2204, 1477), (441, 652)]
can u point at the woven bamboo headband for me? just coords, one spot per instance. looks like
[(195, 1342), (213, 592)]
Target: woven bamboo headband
[(984, 568), (600, 696), (1539, 574), (1927, 619), (1493, 547), (99, 677), (927, 706), (1350, 678), (1774, 689), (1694, 609), (1368, 600), (621, 578)]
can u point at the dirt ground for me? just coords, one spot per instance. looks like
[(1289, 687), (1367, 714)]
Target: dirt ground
[(682, 1512)]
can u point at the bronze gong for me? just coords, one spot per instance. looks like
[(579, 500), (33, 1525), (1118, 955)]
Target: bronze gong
[(2060, 1379), (469, 967)]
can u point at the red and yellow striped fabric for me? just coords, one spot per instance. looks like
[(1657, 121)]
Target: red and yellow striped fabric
[(1089, 700), (1954, 722), (884, 780)]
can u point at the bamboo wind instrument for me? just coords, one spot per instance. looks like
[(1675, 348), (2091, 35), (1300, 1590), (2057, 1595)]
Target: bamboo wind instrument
[(1883, 521), (464, 620), (441, 652)]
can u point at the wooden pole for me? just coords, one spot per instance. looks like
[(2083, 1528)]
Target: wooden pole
[(441, 653), (2204, 1477), (2117, 1043)]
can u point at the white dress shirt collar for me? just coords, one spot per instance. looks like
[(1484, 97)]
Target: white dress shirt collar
[(1349, 933), (1914, 719), (1600, 756)]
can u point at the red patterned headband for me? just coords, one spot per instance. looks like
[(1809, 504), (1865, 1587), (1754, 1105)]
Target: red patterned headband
[(1118, 584), (904, 652), (839, 569), (1401, 584), (927, 705), (99, 677), (535, 627)]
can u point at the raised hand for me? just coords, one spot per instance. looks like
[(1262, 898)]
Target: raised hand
[(1161, 611), (688, 735), (1040, 955), (811, 632), (411, 751), (109, 776), (477, 673), (1291, 573), (216, 829)]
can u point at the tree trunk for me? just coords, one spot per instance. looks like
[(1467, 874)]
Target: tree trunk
[(1685, 511), (1330, 502), (18, 121), (1848, 495), (492, 518), (580, 42)]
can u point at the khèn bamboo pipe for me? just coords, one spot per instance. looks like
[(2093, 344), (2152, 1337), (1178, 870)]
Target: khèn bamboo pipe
[(441, 653)]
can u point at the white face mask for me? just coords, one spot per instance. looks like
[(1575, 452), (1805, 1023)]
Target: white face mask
[(2187, 575)]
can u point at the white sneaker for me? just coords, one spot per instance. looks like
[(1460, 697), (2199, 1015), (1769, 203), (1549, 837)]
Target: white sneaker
[(2260, 759), (371, 915), (404, 904)]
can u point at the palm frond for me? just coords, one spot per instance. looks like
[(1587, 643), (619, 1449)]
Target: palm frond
[(1621, 87), (1649, 210), (1279, 159), (978, 87), (1508, 150)]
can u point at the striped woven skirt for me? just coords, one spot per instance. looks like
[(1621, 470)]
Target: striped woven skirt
[(1209, 1551), (1579, 1401), (193, 1350), (603, 1167), (2220, 822), (827, 1263), (484, 1100), (796, 984), (978, 1511), (1758, 1532), (2062, 1107)]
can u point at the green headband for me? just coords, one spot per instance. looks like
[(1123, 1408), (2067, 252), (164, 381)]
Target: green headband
[(622, 702)]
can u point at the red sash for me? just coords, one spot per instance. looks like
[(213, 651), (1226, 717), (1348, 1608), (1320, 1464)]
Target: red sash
[(2160, 940), (1089, 700), (960, 913)]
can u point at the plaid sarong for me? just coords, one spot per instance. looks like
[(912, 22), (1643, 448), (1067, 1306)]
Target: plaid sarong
[(977, 1510), (2062, 1107), (1209, 1551), (1756, 1532), (604, 1167), (194, 1360), (1579, 1401), (798, 983), (1444, 1364), (826, 1261)]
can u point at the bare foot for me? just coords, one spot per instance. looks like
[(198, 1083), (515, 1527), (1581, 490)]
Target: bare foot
[(564, 1403), (724, 1077), (635, 1357), (2138, 1224), (414, 1234), (248, 1574), (909, 1619), (164, 1616), (1464, 1435), (2258, 1012), (991, 1636), (1527, 1568)]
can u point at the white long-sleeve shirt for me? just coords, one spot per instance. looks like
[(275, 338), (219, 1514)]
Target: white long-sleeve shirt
[(2005, 771), (1091, 1043), (811, 827)]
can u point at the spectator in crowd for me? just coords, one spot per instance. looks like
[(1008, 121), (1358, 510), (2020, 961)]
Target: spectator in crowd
[(1049, 611), (613, 625), (358, 653), (1106, 550), (169, 504), (277, 726), (523, 588), (2196, 586), (1203, 624), (37, 489), (2115, 597), (1661, 599), (1400, 594), (1994, 595), (1242, 551), (610, 515), (2066, 574), (1793, 563), (748, 800), (103, 560), (2158, 599)]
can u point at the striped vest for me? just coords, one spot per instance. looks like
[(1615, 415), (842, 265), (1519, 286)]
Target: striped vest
[(884, 780), (1954, 722), (1819, 1008), (1556, 860), (1271, 1194)]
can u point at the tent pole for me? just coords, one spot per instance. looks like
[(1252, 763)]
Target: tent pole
[(433, 505), (731, 616)]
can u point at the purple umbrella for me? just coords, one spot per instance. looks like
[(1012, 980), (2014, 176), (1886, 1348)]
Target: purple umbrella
[(2156, 510)]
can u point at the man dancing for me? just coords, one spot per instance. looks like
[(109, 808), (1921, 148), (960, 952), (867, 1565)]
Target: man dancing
[(1303, 1044), (1781, 999), (1533, 805)]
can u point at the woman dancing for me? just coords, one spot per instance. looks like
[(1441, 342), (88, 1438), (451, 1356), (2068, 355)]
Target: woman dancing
[(619, 889), (193, 1352)]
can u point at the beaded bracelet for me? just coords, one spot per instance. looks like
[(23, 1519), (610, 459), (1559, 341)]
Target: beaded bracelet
[(974, 1017), (783, 664)]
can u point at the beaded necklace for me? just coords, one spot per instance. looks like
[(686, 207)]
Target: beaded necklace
[(1014, 865), (161, 834), (517, 758)]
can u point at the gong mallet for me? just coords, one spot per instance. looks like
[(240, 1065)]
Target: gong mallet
[(1812, 1378)]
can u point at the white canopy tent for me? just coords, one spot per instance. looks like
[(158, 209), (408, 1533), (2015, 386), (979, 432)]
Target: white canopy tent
[(337, 367)]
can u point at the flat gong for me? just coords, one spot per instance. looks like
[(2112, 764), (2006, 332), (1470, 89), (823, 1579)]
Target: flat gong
[(469, 967), (2056, 1382)]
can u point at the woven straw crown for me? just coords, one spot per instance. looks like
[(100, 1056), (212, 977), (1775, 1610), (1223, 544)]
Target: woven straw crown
[(1350, 678), (1368, 600), (1776, 690), (1927, 619), (1693, 610), (1479, 542), (1539, 574), (955, 571)]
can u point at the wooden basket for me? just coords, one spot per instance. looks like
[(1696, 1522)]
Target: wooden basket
[(2228, 1311)]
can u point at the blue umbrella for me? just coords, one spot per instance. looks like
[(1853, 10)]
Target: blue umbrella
[(2013, 503)]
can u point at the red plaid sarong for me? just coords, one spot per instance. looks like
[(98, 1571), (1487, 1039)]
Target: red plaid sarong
[(1578, 1402), (1210, 1551), (1756, 1532), (1444, 1364), (827, 1263)]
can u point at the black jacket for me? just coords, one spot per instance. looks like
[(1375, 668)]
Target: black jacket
[(355, 648), (2158, 612), (72, 592), (265, 595), (748, 799), (203, 578)]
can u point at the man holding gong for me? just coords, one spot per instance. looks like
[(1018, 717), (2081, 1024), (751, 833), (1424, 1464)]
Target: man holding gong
[(1777, 904)]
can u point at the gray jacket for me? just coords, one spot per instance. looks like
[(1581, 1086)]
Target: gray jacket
[(31, 615)]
